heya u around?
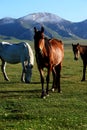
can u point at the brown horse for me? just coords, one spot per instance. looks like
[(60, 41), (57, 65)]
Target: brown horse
[(49, 54), (83, 53)]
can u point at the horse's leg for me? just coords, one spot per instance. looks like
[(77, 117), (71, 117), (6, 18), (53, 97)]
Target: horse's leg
[(84, 70), (22, 76), (23, 72), (58, 69), (3, 66), (54, 79), (47, 80), (42, 82)]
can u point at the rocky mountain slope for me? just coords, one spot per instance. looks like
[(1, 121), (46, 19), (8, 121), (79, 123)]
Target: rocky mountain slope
[(55, 26)]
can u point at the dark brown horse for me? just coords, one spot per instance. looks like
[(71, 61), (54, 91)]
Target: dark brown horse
[(49, 54), (82, 50)]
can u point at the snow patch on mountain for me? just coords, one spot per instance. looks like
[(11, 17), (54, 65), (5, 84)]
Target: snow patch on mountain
[(7, 20), (42, 17)]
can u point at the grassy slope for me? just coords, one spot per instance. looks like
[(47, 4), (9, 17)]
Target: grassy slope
[(21, 107)]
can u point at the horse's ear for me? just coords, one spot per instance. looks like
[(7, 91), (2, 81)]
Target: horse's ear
[(42, 29), (35, 30)]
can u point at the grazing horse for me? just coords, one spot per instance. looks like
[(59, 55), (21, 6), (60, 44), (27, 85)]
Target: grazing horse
[(83, 53), (17, 53), (49, 54)]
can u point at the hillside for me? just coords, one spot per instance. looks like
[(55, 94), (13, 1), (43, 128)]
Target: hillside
[(55, 26)]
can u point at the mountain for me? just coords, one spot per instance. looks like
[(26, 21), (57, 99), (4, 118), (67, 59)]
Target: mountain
[(55, 26)]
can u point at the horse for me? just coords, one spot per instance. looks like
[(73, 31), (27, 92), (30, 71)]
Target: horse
[(49, 54), (82, 50), (17, 53)]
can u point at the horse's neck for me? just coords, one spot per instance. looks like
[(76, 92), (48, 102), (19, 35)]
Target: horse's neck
[(41, 44), (46, 46), (83, 50), (47, 43), (43, 48)]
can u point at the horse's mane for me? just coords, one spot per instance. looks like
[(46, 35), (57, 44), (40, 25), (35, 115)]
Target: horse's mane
[(47, 41)]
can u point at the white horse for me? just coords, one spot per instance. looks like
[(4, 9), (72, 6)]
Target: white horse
[(17, 53)]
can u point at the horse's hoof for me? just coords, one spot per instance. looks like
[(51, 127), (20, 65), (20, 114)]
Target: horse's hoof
[(60, 92), (43, 96), (7, 79), (27, 82), (53, 89), (82, 80), (47, 95), (22, 80)]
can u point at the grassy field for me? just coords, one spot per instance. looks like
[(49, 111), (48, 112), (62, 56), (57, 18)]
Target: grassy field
[(21, 107)]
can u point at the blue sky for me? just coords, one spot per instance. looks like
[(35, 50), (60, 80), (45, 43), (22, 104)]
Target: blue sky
[(72, 10)]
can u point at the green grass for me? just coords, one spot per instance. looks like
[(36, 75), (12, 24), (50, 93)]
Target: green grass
[(21, 107)]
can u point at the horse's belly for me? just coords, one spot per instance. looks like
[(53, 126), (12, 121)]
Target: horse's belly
[(13, 62), (58, 57), (10, 59)]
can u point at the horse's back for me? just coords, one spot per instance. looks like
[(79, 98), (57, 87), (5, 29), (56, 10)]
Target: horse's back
[(14, 53), (7, 45), (12, 48), (57, 48), (57, 44)]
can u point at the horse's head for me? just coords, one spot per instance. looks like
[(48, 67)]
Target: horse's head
[(76, 50), (37, 36), (28, 73)]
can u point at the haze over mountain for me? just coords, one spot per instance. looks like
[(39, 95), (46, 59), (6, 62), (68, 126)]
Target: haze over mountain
[(55, 26)]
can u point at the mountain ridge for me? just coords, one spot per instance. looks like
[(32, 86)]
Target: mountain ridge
[(55, 26)]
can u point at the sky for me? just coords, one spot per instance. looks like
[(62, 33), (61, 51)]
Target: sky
[(72, 10)]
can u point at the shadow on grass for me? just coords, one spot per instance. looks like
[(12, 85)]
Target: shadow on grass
[(8, 82), (21, 91), (31, 92)]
